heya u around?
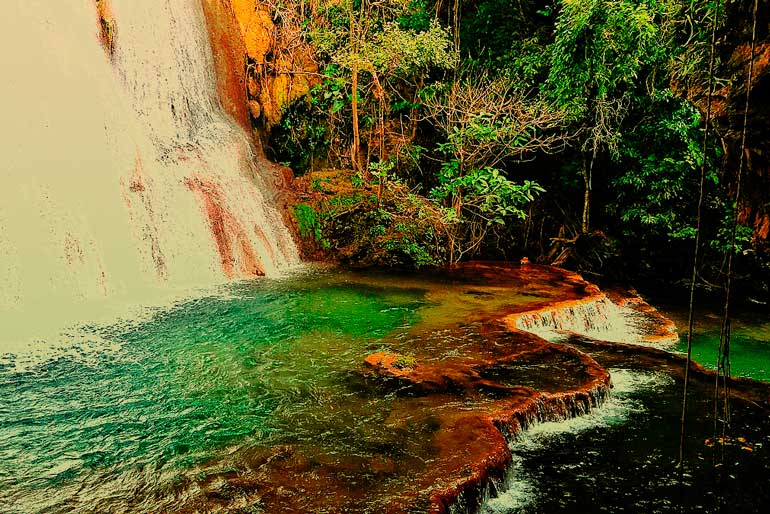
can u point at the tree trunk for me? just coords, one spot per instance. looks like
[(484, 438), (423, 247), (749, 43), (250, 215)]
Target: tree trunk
[(356, 149), (456, 25), (413, 113), (355, 152), (588, 167), (380, 92)]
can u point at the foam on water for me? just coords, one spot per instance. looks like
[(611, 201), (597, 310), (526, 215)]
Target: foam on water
[(520, 490), (121, 177), (598, 318), (30, 341)]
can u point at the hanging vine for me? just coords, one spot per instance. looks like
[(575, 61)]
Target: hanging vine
[(722, 390), (706, 133)]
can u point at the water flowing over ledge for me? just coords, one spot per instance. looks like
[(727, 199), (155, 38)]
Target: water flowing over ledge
[(519, 489), (620, 317)]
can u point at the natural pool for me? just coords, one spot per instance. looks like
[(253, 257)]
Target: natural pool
[(623, 456), (261, 364), (749, 341), (256, 399)]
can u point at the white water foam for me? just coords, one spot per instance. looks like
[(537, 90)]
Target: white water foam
[(112, 169), (519, 490), (597, 318)]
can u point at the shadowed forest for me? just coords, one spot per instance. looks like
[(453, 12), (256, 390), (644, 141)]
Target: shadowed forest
[(579, 133)]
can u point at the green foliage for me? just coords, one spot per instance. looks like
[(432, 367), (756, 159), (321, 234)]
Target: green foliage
[(487, 194), (331, 94), (600, 49), (689, 24), (659, 167), (500, 38), (405, 361), (406, 230), (484, 128), (413, 251), (400, 229), (309, 227), (405, 52), (382, 169), (400, 38), (416, 16), (599, 82), (722, 242), (392, 48), (300, 138)]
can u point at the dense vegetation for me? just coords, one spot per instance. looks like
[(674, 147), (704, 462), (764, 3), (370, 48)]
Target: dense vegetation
[(562, 130)]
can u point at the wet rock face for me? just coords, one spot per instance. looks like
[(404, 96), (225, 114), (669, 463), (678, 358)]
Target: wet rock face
[(107, 27), (755, 205), (229, 59), (278, 64)]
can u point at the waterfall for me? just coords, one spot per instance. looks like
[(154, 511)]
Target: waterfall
[(121, 174)]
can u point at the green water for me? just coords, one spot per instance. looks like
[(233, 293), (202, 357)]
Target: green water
[(193, 381), (749, 342), (206, 387)]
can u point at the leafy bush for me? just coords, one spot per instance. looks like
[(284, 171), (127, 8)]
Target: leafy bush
[(359, 225)]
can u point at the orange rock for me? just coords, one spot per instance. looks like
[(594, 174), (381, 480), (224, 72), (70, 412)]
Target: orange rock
[(255, 109), (243, 10), (253, 86), (229, 60), (258, 35)]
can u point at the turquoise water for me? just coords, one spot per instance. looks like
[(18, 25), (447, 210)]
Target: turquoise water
[(193, 381), (749, 342), (196, 394)]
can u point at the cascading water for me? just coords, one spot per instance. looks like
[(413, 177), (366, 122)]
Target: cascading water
[(596, 317), (519, 491), (121, 174)]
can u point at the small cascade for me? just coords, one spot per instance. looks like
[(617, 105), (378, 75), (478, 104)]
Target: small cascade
[(515, 491), (599, 318), (121, 173), (548, 410), (595, 316), (555, 408)]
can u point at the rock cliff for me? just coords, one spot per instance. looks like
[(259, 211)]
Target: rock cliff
[(260, 45)]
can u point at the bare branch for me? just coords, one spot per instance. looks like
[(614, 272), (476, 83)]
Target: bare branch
[(488, 120)]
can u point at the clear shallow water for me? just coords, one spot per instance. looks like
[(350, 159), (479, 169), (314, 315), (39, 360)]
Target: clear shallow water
[(263, 364), (749, 341), (203, 375), (622, 457)]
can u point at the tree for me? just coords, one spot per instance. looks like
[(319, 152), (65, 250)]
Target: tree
[(657, 179), (600, 50), (381, 56), (486, 121)]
